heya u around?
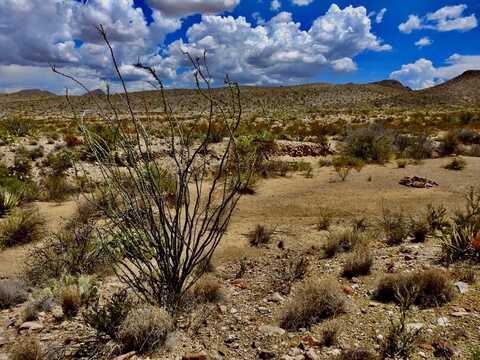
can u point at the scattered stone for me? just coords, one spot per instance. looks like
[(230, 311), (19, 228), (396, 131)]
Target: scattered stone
[(348, 290), (240, 284), (230, 339), (269, 330), (195, 356), (3, 341), (335, 352), (462, 287), (31, 325), (442, 349), (266, 355), (311, 355), (310, 341), (276, 297), (415, 326), (418, 182), (126, 356), (459, 313)]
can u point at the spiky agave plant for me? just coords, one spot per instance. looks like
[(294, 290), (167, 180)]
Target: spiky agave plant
[(8, 201)]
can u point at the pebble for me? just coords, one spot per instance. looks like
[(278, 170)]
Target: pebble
[(31, 325), (270, 330), (442, 321), (462, 287), (415, 326)]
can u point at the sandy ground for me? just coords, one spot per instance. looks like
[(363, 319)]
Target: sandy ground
[(291, 204)]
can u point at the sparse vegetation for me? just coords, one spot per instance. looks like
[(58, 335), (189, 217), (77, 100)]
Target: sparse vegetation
[(207, 289), (370, 144), (260, 236), (312, 302), (22, 227), (395, 226), (456, 164), (27, 348), (12, 292), (358, 263)]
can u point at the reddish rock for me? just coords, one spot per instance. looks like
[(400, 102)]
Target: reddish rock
[(240, 283), (348, 290)]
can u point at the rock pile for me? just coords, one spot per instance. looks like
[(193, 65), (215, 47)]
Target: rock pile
[(299, 149), (418, 182)]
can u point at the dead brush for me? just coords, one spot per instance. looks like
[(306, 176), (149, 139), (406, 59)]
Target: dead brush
[(325, 219), (357, 354), (27, 348), (313, 301), (12, 292), (260, 236), (395, 226), (207, 290), (330, 333), (293, 271)]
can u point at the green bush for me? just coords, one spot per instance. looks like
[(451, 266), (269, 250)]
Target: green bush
[(456, 164), (343, 165), (22, 227), (371, 144)]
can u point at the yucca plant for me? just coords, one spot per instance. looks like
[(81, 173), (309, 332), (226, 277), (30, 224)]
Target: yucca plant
[(22, 227), (458, 243), (8, 201)]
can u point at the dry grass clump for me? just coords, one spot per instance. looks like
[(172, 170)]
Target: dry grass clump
[(395, 226), (341, 240), (260, 236), (291, 272), (145, 329), (426, 288), (27, 348), (358, 263), (419, 229), (314, 300), (330, 333), (12, 292), (70, 300), (22, 227), (325, 219), (207, 290)]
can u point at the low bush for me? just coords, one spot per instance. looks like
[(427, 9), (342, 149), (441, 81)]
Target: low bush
[(436, 217), (56, 188), (371, 144), (106, 319), (312, 302), (42, 301), (12, 293), (291, 272), (460, 243), (145, 329), (358, 263), (23, 226), (325, 219), (260, 236), (343, 165), (457, 164), (395, 226), (75, 292), (419, 229), (426, 288), (330, 333), (207, 290), (341, 241)]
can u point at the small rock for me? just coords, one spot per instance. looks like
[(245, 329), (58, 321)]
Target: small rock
[(240, 284), (270, 330), (3, 341), (276, 297), (57, 313), (442, 321), (31, 325), (335, 352), (348, 290), (380, 337), (414, 326), (266, 355), (195, 356), (311, 355), (459, 313), (462, 287), (125, 356), (230, 339)]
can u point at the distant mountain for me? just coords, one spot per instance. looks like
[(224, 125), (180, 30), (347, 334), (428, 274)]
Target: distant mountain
[(32, 93), (96, 92), (395, 84)]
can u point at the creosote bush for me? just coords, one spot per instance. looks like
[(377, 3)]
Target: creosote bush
[(426, 288), (370, 144), (343, 165), (312, 302), (145, 329), (341, 241), (395, 226), (456, 164)]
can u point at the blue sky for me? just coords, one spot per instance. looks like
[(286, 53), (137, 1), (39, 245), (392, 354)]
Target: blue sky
[(279, 42)]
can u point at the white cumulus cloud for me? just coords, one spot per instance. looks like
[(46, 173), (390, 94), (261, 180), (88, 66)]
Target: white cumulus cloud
[(422, 73), (189, 7), (380, 16), (424, 41), (447, 18), (302, 2), (275, 5)]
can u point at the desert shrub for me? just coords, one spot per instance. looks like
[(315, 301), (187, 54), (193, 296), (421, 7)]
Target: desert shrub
[(56, 188), (400, 341), (468, 136), (8, 201), (402, 163), (60, 161), (12, 293), (325, 219), (165, 181), (474, 150), (359, 262), (357, 354), (467, 275), (470, 216), (343, 165), (426, 288), (330, 332), (72, 140), (22, 163), (42, 301), (23, 226), (207, 290), (421, 147), (460, 243), (74, 250), (395, 226), (313, 301), (456, 164), (341, 240), (370, 144), (436, 217), (75, 292), (291, 272), (260, 236), (145, 329), (17, 127), (106, 319), (449, 144), (475, 354), (419, 229), (27, 348)]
